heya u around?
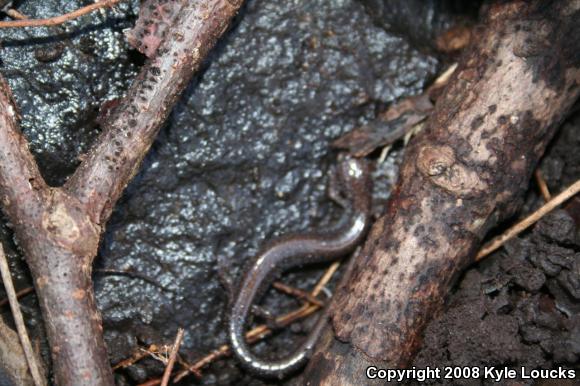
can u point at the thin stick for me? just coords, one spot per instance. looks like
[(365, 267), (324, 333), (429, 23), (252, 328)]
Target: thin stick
[(15, 14), (542, 185), (137, 355), (57, 19), (19, 321), (297, 293), (325, 278), (19, 294), (172, 356), (528, 221)]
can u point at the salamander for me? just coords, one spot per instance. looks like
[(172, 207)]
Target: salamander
[(295, 250)]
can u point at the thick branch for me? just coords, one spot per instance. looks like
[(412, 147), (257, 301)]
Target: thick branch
[(131, 129), (59, 242), (463, 174), (20, 181)]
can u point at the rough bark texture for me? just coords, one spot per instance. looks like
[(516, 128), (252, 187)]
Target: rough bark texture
[(132, 127), (155, 19), (58, 229), (462, 175)]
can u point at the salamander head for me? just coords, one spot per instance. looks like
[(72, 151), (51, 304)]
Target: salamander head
[(356, 181)]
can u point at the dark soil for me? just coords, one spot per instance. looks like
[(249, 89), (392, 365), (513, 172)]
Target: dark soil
[(245, 157)]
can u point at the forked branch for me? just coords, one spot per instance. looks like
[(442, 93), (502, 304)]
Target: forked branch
[(59, 228)]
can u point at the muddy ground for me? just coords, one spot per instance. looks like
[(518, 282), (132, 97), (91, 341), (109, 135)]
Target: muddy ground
[(245, 156)]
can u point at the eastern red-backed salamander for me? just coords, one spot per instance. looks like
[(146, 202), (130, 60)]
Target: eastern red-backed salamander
[(294, 250)]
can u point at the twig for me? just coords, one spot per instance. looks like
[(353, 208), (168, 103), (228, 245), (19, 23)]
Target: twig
[(298, 293), (542, 185), (325, 278), (137, 356), (19, 321), (57, 19), (19, 294), (161, 353), (528, 221), (172, 356), (16, 15)]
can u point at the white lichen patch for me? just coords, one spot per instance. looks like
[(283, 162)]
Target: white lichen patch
[(60, 224)]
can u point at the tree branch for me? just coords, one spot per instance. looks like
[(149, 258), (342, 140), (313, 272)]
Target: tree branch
[(465, 172), (21, 184)]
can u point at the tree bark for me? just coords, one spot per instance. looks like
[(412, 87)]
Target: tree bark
[(59, 229), (462, 175)]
